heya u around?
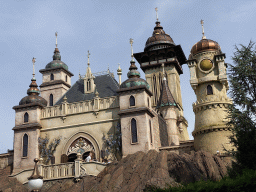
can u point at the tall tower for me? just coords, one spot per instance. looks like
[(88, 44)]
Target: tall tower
[(27, 127), (161, 49), (56, 78), (135, 113), (209, 81)]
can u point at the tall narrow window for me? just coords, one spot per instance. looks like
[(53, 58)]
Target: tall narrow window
[(132, 101), (25, 145), (154, 89), (88, 85), (148, 103), (52, 77), (134, 131), (26, 117), (209, 90), (150, 131), (51, 100), (66, 78)]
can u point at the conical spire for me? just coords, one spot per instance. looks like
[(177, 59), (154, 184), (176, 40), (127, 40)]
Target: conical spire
[(33, 90), (166, 98)]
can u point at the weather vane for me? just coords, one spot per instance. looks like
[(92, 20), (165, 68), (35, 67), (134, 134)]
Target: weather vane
[(156, 13), (202, 23), (88, 57), (131, 42), (33, 61), (56, 34)]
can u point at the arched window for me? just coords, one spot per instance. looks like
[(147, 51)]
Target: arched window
[(150, 131), (52, 77), (154, 89), (88, 85), (132, 101), (26, 117), (66, 78), (209, 90), (25, 145), (51, 100), (134, 131)]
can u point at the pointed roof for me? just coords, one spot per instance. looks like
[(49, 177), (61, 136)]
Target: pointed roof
[(166, 98)]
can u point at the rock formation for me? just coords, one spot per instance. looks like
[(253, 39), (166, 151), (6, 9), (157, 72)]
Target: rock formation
[(136, 171)]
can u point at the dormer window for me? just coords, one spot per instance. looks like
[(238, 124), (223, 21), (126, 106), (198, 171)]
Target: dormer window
[(209, 90), (52, 77), (88, 85), (132, 101)]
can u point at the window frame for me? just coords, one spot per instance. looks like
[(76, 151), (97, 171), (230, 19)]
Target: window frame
[(131, 131)]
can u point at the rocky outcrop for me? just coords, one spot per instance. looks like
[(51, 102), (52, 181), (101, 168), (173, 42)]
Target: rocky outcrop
[(136, 171)]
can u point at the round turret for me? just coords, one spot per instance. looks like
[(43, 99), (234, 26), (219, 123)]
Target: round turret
[(33, 95), (205, 45), (159, 39), (56, 61), (134, 78)]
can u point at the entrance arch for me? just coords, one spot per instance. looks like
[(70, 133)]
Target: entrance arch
[(83, 143)]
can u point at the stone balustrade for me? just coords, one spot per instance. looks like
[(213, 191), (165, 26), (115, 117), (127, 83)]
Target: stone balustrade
[(66, 108), (54, 171)]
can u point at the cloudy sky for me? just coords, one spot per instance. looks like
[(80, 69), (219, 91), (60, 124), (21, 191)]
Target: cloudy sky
[(104, 27)]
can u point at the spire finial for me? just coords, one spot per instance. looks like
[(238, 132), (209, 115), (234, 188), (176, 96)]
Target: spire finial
[(131, 42), (163, 72), (202, 23), (33, 61), (56, 34), (88, 55), (108, 68), (156, 14)]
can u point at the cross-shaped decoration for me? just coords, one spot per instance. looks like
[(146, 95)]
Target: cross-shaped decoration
[(88, 55), (56, 34), (33, 61), (202, 23), (131, 42), (156, 13)]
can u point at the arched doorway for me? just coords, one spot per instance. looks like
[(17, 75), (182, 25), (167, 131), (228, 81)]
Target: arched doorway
[(80, 145)]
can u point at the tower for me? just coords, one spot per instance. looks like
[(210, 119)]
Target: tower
[(56, 78), (209, 81), (135, 112), (169, 110), (27, 127), (161, 49)]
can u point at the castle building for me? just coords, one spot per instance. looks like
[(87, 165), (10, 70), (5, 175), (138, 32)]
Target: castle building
[(150, 113)]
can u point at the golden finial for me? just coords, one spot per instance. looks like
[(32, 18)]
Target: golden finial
[(202, 23), (88, 55), (156, 13), (33, 61), (131, 42), (56, 34)]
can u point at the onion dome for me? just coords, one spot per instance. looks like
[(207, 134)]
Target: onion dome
[(205, 45), (159, 37), (56, 61), (134, 79), (33, 95)]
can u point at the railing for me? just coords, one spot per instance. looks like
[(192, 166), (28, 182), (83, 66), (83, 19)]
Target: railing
[(62, 170), (66, 108)]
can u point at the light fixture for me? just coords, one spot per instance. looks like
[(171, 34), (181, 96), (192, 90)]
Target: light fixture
[(35, 181)]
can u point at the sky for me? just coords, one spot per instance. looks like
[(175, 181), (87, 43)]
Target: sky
[(27, 30)]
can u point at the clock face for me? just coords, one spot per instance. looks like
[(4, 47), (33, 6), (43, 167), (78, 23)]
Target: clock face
[(206, 65)]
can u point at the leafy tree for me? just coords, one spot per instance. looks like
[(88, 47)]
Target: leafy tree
[(113, 142), (47, 152), (242, 113)]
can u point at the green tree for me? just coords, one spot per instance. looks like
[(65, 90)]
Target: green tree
[(242, 113)]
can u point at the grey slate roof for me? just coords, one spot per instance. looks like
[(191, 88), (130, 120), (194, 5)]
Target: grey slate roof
[(106, 86)]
